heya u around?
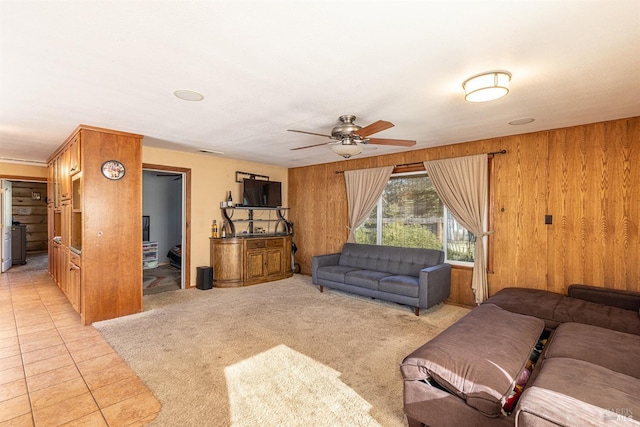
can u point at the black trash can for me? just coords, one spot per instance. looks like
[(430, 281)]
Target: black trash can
[(204, 277)]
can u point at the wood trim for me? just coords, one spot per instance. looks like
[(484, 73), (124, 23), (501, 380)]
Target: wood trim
[(186, 252), (24, 178)]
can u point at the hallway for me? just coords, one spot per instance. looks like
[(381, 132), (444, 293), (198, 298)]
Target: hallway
[(53, 370)]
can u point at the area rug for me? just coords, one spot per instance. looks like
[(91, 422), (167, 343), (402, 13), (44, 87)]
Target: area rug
[(35, 261), (278, 353), (164, 275)]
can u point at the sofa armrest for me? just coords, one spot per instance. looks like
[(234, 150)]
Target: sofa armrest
[(321, 261), (613, 297), (435, 285)]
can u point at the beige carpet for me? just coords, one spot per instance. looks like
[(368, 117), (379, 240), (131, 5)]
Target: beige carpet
[(274, 354)]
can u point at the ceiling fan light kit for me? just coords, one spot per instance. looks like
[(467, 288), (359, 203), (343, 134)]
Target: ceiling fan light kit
[(487, 86), (346, 148)]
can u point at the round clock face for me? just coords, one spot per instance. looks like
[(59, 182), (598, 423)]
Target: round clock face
[(113, 169)]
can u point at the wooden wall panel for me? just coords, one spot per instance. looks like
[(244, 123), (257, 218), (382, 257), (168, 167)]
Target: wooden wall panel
[(519, 200), (596, 241), (587, 177), (632, 205), (461, 292)]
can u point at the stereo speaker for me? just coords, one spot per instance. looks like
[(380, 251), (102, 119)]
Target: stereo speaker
[(204, 277)]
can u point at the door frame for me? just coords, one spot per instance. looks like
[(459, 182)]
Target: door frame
[(6, 211), (186, 220)]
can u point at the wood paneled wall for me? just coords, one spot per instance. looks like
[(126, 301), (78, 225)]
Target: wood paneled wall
[(587, 177)]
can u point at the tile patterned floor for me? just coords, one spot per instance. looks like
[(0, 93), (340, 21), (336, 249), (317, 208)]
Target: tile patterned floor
[(56, 372)]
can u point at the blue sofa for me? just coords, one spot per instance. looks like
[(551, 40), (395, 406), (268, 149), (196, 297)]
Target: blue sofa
[(411, 276)]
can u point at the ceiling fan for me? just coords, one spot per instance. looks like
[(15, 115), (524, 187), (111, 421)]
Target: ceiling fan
[(347, 137)]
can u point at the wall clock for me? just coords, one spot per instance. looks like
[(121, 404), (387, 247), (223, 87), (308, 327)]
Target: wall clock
[(113, 169)]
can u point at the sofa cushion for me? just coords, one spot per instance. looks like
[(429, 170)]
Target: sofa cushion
[(570, 392), (611, 349), (555, 309), (532, 302), (478, 358), (400, 285), (389, 259), (334, 273), (615, 297), (364, 278)]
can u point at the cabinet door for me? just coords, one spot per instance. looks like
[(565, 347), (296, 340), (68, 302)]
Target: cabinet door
[(56, 182), (274, 262), (54, 266), (63, 270), (74, 155), (65, 223), (50, 183), (73, 290), (65, 184), (255, 268)]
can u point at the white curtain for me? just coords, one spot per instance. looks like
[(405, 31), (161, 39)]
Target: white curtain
[(462, 185), (364, 188)]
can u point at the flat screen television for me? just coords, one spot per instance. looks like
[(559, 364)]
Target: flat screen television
[(260, 193)]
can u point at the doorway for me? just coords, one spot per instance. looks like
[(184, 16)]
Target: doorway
[(166, 191), (24, 222)]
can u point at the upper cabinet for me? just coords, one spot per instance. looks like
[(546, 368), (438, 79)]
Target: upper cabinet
[(74, 155)]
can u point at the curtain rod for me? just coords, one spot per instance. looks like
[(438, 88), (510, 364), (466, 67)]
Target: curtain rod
[(406, 165)]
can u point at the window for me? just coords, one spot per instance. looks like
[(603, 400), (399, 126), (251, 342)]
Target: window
[(410, 214)]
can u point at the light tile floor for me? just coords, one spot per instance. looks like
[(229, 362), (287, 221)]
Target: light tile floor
[(56, 372)]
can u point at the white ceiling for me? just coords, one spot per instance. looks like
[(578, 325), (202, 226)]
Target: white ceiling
[(268, 66)]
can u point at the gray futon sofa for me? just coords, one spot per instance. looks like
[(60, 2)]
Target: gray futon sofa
[(411, 276)]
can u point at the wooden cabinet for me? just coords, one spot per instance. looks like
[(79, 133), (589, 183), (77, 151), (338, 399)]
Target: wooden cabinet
[(74, 155), (248, 261), (95, 223), (65, 175), (74, 281), (18, 244)]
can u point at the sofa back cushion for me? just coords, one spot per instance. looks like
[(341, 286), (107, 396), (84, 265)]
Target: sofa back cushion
[(389, 259)]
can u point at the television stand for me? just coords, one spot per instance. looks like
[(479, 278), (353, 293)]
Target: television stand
[(260, 226)]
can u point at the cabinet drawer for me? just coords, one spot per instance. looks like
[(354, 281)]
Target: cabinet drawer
[(256, 244), (75, 258), (275, 243)]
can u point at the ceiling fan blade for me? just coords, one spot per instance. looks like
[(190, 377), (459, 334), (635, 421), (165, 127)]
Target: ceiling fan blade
[(376, 127), (309, 133), (310, 146), (396, 142)]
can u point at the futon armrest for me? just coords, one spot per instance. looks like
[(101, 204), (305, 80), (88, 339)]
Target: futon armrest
[(626, 300), (321, 261)]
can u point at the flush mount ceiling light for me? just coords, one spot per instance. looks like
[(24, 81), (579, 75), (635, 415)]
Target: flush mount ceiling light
[(487, 86), (347, 148), (188, 95)]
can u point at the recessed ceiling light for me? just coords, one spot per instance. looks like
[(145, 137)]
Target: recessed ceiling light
[(188, 95), (524, 121)]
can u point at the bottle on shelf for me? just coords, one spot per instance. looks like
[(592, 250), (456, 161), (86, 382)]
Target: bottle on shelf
[(230, 200), (214, 230)]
